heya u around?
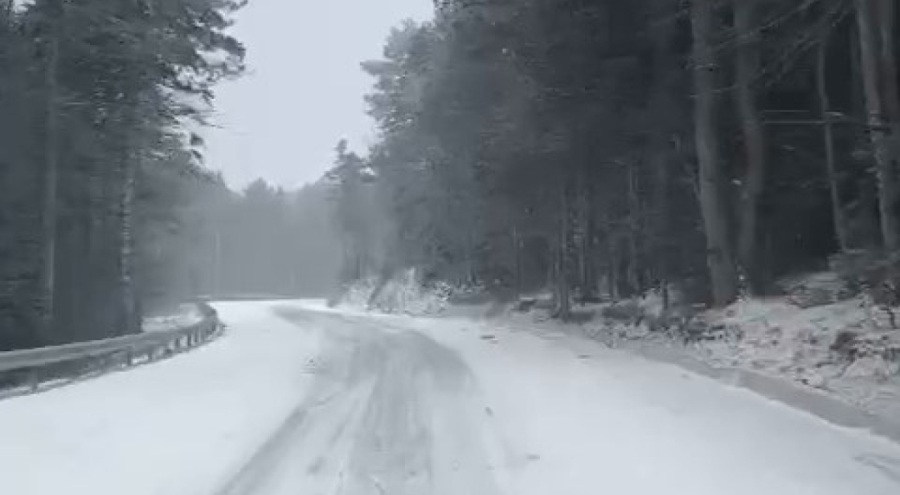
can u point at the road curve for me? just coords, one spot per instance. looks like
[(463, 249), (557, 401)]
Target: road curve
[(390, 411), (404, 406)]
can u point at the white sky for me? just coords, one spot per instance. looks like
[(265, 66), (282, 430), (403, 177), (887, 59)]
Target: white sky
[(304, 87)]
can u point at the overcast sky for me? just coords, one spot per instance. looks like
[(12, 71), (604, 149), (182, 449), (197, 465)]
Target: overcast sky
[(304, 88)]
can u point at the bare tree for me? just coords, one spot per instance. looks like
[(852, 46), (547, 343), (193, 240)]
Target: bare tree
[(839, 216), (49, 192), (747, 66)]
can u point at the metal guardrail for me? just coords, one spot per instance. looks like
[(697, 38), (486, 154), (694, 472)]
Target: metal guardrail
[(32, 367)]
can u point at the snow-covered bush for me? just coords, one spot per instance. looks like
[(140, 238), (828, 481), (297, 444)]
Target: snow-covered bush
[(403, 292)]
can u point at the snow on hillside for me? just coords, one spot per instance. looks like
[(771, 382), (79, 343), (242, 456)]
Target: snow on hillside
[(813, 336)]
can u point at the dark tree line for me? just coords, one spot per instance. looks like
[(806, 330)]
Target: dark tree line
[(96, 164), (608, 148)]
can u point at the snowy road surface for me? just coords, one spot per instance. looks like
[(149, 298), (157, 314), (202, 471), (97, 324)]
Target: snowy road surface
[(299, 401)]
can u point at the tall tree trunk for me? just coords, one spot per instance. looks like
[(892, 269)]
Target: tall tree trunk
[(839, 216), (613, 276), (50, 185), (661, 222), (94, 259), (890, 93), (720, 261), (129, 318), (564, 302), (517, 260), (665, 140), (877, 95), (612, 256), (746, 70), (634, 231), (587, 260), (887, 17), (589, 267)]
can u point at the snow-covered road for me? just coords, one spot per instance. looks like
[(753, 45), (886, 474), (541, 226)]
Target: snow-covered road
[(295, 399)]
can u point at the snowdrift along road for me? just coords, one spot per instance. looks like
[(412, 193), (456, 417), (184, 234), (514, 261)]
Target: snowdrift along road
[(297, 399)]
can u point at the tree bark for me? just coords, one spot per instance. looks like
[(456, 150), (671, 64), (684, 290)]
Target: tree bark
[(887, 16), (877, 95), (839, 216), (129, 319), (720, 261), (754, 180)]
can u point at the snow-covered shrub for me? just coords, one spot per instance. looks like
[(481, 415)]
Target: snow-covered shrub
[(355, 295), (870, 271), (403, 292), (869, 355)]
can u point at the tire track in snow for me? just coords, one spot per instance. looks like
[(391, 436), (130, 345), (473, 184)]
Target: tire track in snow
[(391, 412)]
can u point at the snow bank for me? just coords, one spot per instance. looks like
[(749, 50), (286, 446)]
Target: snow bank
[(184, 315), (575, 418), (814, 336), (178, 427)]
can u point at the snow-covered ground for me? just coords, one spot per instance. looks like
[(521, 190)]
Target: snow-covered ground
[(178, 426), (843, 348), (183, 316), (296, 399)]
